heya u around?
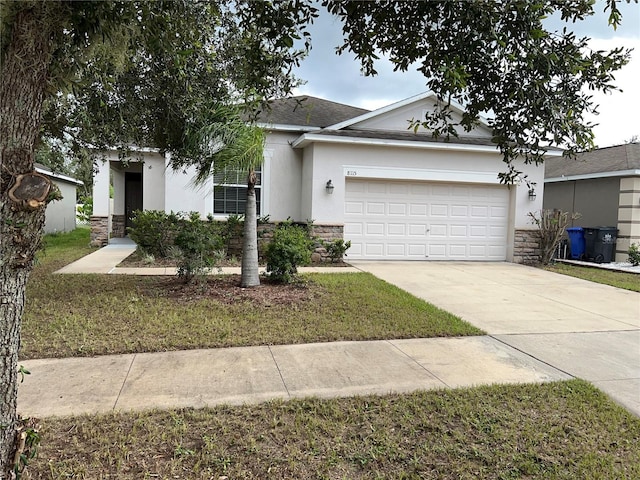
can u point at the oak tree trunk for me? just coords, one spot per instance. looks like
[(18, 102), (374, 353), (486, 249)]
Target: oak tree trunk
[(250, 276), (24, 78)]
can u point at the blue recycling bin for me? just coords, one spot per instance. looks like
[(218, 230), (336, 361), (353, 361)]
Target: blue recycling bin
[(576, 242)]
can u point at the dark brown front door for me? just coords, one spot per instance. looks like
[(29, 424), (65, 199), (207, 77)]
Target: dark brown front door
[(132, 195)]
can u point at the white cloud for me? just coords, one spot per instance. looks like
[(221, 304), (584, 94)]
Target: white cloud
[(618, 111)]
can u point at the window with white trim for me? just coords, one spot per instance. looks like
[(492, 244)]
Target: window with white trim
[(230, 192)]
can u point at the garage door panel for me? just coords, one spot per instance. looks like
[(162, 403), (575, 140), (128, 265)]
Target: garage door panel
[(437, 230), (459, 211), (418, 209), (458, 231), (397, 229), (457, 251), (375, 208), (423, 220), (376, 187), (374, 249), (397, 209), (376, 229), (354, 207), (417, 230), (417, 250), (398, 250), (478, 211), (498, 212), (439, 210), (355, 187), (478, 231), (437, 251), (440, 190), (397, 189), (353, 229)]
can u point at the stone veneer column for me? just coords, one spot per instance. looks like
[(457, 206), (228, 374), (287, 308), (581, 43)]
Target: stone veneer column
[(325, 233), (118, 229), (99, 231), (526, 246), (628, 217)]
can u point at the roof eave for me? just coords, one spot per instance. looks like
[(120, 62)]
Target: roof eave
[(59, 176), (592, 176), (288, 128), (308, 138)]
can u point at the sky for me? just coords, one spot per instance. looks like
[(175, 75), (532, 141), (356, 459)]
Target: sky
[(338, 78)]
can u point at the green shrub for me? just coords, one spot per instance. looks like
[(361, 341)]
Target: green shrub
[(289, 248), (85, 209), (199, 246), (337, 249), (154, 231), (634, 254)]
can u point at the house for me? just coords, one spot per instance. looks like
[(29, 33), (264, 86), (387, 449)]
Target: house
[(359, 175), (603, 186), (61, 214)]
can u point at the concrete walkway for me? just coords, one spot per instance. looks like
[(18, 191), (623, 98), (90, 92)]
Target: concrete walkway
[(543, 326)]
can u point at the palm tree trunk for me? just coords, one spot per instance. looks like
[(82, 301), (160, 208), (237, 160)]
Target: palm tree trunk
[(250, 276)]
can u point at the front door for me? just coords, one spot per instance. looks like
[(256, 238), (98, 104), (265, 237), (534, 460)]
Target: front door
[(132, 195)]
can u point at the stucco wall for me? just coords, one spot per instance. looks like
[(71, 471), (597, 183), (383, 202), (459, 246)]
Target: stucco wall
[(282, 178), (182, 194), (399, 118), (61, 214), (595, 199), (333, 162)]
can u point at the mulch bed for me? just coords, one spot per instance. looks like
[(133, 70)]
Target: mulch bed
[(226, 289)]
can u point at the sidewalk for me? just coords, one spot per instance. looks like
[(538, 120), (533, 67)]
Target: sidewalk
[(200, 378), (106, 259)]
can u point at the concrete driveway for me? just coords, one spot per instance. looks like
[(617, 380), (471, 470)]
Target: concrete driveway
[(585, 329)]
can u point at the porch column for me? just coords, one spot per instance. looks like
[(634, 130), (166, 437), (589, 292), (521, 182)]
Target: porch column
[(99, 221), (628, 217)]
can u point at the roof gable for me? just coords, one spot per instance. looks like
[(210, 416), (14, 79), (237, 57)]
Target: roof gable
[(396, 117), (620, 158)]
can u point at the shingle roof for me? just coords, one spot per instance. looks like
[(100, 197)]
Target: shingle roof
[(308, 112), (609, 159)]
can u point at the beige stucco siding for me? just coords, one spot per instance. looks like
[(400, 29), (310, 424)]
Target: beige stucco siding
[(596, 200)]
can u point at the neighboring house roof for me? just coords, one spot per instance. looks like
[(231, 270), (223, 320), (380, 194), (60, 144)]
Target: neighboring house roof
[(617, 161), (58, 176), (307, 111)]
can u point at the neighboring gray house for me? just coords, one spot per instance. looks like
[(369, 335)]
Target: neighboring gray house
[(61, 214), (359, 175), (603, 186)]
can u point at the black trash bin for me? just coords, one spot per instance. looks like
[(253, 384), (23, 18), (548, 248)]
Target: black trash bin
[(600, 244)]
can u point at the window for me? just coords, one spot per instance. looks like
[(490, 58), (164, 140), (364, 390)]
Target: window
[(230, 192)]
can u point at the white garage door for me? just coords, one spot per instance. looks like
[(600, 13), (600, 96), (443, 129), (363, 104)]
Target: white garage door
[(421, 220)]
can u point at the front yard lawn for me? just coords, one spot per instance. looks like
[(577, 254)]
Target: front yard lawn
[(628, 281), (84, 315), (562, 430)]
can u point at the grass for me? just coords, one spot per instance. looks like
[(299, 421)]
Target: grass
[(562, 430), (84, 315), (627, 281)]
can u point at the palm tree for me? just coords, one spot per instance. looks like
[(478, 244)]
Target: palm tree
[(229, 142)]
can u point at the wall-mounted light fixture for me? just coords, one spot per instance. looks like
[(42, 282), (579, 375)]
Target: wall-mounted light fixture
[(532, 194), (329, 187)]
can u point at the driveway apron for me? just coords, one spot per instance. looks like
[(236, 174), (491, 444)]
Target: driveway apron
[(585, 329)]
